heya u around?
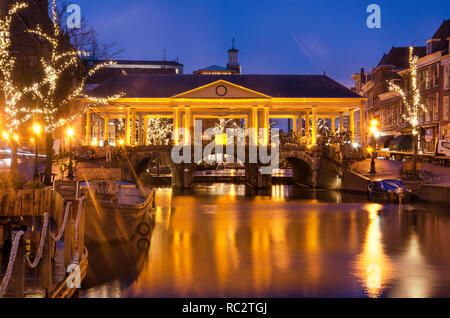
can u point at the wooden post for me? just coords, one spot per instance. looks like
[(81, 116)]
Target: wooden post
[(19, 268), (80, 242), (47, 263), (68, 234)]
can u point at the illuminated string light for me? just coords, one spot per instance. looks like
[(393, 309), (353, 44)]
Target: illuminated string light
[(412, 99), (12, 94), (60, 62)]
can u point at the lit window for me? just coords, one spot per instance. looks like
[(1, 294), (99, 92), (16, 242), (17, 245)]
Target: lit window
[(446, 106)]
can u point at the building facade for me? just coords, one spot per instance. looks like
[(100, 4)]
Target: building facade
[(433, 79), (185, 99)]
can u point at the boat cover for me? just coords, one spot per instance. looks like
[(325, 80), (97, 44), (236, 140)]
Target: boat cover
[(390, 185)]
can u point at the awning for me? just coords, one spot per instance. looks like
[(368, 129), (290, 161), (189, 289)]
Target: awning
[(402, 143)]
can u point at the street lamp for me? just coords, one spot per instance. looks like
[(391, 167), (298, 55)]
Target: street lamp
[(375, 134), (70, 134), (37, 130), (5, 136)]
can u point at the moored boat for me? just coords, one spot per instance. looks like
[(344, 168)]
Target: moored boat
[(390, 190), (112, 217)]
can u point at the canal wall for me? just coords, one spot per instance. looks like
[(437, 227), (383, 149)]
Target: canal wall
[(353, 181), (435, 193)]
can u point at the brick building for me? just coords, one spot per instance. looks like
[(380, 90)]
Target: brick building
[(433, 80)]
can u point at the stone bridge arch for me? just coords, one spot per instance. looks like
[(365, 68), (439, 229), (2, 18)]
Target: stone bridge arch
[(305, 165), (308, 167)]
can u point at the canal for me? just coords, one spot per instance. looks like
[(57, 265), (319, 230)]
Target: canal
[(216, 241)]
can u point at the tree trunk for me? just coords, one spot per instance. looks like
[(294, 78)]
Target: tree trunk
[(14, 162), (415, 143), (49, 158)]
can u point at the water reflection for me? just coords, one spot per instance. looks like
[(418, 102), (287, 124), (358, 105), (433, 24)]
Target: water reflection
[(218, 242), (115, 265), (373, 267)]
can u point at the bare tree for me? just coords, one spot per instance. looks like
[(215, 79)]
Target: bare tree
[(61, 83), (86, 38)]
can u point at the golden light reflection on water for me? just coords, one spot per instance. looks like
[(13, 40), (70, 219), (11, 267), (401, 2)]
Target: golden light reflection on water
[(373, 266), (219, 243)]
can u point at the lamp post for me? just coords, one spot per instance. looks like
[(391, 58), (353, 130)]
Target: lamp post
[(375, 134), (37, 130), (70, 134)]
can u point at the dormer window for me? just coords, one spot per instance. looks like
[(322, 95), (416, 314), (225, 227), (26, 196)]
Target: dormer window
[(431, 45)]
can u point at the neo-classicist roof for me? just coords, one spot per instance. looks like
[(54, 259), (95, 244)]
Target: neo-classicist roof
[(276, 86)]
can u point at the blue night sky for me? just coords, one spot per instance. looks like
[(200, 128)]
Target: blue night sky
[(278, 37)]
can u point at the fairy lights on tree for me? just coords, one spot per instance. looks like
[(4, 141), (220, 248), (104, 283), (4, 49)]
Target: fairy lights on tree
[(159, 131), (62, 62), (60, 84), (412, 101), (11, 92)]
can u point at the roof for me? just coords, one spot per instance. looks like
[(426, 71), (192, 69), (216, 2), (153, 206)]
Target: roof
[(399, 56), (444, 31), (135, 62), (278, 86), (215, 68)]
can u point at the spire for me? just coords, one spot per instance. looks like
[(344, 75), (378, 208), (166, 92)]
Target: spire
[(233, 63)]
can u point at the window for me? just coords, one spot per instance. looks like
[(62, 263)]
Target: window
[(447, 76), (446, 106), (429, 105), (429, 48), (436, 107), (427, 79), (435, 69)]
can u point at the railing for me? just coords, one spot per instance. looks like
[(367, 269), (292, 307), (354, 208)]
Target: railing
[(69, 215)]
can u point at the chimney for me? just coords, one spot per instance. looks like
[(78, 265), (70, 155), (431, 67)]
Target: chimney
[(363, 76)]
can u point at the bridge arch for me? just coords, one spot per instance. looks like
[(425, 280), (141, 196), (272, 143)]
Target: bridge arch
[(304, 165)]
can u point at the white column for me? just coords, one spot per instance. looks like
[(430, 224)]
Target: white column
[(314, 127), (254, 124)]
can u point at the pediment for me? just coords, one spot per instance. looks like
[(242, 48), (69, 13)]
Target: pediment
[(221, 90)]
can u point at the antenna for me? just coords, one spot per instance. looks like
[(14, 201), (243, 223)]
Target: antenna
[(234, 40), (164, 64)]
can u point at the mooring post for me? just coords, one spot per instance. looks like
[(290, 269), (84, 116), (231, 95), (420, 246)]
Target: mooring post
[(47, 263), (19, 275), (68, 235), (80, 236)]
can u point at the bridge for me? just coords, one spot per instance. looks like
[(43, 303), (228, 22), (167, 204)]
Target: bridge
[(313, 167)]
